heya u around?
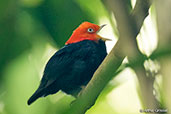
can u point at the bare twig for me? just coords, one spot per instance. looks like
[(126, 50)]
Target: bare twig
[(129, 27)]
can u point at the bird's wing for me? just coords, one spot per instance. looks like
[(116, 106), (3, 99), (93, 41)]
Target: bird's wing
[(63, 62)]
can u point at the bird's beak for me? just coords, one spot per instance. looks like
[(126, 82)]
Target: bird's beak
[(101, 27), (102, 38)]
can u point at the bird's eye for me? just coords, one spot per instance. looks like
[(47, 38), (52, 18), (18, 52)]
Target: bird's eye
[(90, 30)]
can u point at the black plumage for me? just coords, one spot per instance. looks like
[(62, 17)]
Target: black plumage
[(70, 68)]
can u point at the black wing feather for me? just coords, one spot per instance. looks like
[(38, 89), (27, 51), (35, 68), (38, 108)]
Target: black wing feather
[(73, 64)]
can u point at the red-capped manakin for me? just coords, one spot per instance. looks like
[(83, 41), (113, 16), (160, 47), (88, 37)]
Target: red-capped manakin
[(73, 66)]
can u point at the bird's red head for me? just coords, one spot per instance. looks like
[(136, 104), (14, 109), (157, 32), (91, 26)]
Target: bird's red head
[(86, 31)]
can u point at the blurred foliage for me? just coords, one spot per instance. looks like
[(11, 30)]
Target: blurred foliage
[(25, 22), (59, 17)]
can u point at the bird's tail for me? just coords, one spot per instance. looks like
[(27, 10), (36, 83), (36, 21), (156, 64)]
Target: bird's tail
[(35, 96)]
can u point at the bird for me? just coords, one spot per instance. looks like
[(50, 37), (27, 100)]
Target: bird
[(73, 66)]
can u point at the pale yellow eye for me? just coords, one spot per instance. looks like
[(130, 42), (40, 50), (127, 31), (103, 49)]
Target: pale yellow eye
[(90, 30)]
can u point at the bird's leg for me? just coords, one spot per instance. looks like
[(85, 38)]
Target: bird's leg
[(82, 88)]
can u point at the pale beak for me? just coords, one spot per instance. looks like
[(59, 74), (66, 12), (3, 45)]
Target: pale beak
[(102, 38)]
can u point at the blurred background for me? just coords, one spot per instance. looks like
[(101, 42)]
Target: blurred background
[(31, 31)]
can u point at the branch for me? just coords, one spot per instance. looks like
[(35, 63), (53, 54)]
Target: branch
[(107, 69), (129, 27)]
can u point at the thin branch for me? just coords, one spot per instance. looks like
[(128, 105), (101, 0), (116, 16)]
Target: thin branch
[(129, 27), (141, 12), (111, 63)]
